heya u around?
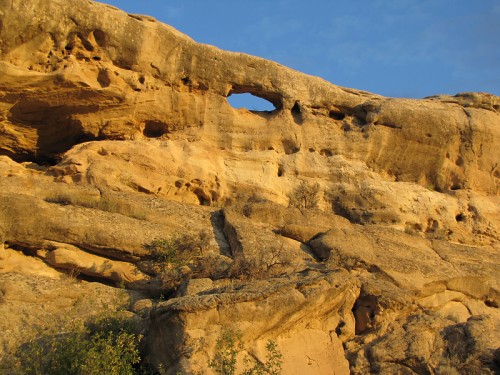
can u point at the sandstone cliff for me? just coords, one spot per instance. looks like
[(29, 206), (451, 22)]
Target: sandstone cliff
[(360, 233)]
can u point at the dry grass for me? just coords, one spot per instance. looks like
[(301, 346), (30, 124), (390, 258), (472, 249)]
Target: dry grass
[(455, 365), (106, 203)]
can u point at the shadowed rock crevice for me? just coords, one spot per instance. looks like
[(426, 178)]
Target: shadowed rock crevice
[(297, 114), (336, 115), (217, 221), (155, 129)]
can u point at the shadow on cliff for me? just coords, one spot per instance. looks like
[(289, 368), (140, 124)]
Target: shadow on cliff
[(57, 129)]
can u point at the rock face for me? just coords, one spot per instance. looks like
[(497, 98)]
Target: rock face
[(357, 232), (301, 315)]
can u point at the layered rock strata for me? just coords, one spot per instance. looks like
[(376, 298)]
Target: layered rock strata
[(360, 233)]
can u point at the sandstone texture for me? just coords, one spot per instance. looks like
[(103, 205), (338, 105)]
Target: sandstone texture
[(301, 313), (359, 233)]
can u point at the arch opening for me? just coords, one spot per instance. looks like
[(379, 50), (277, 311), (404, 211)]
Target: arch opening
[(251, 102)]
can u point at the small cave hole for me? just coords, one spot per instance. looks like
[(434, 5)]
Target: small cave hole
[(346, 127), (297, 113), (339, 328), (103, 78), (326, 152), (281, 171), (491, 303), (87, 45), (460, 217), (459, 162), (96, 58), (203, 198), (215, 196), (68, 47), (186, 81), (296, 108), (100, 37), (142, 79), (250, 102), (455, 187), (311, 150), (364, 310), (336, 115), (154, 129)]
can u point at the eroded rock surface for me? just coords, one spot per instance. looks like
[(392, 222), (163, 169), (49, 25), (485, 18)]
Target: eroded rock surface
[(360, 233), (300, 314)]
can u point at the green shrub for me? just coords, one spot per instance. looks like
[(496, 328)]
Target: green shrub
[(106, 345), (230, 344), (273, 362), (163, 249), (227, 349), (179, 249)]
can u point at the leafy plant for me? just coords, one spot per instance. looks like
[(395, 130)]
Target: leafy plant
[(227, 349), (163, 249), (106, 345), (273, 363)]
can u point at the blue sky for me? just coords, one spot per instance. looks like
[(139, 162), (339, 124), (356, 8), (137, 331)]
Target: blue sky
[(397, 48)]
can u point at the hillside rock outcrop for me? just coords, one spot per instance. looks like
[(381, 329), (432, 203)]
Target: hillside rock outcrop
[(358, 233), (301, 315)]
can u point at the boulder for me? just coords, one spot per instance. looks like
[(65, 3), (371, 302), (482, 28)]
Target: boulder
[(14, 261), (68, 257)]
